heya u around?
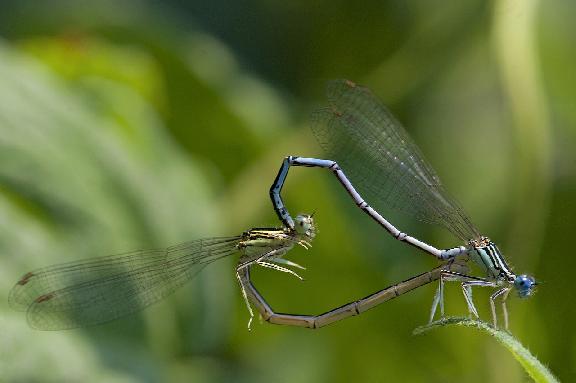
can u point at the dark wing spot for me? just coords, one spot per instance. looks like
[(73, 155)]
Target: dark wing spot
[(44, 298), (25, 279)]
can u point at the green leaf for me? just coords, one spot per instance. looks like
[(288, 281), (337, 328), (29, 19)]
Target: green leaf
[(537, 371)]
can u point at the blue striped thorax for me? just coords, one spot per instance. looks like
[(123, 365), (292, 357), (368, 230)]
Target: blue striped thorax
[(486, 254)]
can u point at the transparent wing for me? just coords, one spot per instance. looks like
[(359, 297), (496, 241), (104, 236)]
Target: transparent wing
[(99, 290), (382, 161)]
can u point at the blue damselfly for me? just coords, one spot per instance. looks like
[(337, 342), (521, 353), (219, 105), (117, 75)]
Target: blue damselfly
[(383, 164)]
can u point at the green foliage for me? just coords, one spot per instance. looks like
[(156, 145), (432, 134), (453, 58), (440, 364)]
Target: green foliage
[(88, 167), (126, 125), (531, 365)]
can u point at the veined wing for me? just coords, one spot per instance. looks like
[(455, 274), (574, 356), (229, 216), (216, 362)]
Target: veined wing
[(382, 161), (98, 290)]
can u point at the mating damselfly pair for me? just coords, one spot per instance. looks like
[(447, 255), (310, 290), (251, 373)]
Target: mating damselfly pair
[(370, 154)]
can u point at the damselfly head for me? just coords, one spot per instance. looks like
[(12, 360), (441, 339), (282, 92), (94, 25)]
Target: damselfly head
[(304, 224), (525, 285)]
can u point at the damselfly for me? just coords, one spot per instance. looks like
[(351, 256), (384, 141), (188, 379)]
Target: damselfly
[(385, 165), (94, 291)]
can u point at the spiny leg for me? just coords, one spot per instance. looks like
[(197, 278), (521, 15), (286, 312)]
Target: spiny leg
[(438, 298), (286, 262), (493, 297), (245, 296), (274, 266), (247, 264), (467, 282), (445, 275), (477, 282), (467, 290), (505, 309)]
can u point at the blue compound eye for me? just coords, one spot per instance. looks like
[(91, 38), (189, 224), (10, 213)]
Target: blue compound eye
[(525, 285)]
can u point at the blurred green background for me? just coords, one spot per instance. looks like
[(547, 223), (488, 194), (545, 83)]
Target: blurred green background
[(136, 124)]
